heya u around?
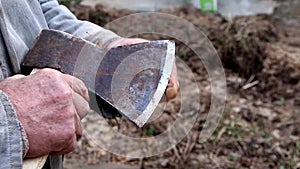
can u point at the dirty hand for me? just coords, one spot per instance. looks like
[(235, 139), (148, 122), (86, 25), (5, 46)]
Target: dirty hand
[(49, 105), (173, 85)]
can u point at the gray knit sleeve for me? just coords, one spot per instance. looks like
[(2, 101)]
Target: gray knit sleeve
[(11, 145)]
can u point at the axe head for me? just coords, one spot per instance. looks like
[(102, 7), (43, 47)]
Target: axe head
[(129, 79)]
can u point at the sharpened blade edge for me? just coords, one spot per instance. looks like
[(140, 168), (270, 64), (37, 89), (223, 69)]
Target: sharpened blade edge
[(163, 82)]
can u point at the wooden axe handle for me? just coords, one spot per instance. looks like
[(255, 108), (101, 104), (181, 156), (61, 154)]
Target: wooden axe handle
[(34, 163)]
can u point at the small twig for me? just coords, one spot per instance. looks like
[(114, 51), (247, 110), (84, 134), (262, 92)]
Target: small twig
[(250, 79), (221, 132), (188, 144), (177, 153), (249, 85), (191, 143)]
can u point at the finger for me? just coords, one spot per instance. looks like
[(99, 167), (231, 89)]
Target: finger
[(174, 76), (170, 84), (81, 105), (131, 41), (172, 89), (77, 85), (173, 82), (70, 146), (78, 128), (126, 41)]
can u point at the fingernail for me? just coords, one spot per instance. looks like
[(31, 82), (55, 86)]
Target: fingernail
[(170, 84)]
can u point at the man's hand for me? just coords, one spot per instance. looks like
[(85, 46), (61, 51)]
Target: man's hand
[(173, 85), (49, 105)]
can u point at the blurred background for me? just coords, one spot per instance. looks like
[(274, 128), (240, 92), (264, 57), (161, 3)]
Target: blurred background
[(259, 46)]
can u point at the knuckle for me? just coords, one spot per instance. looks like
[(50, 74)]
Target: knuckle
[(87, 107), (81, 85), (84, 88), (86, 94), (49, 71), (69, 134), (64, 95), (171, 93), (70, 113), (50, 75), (72, 146)]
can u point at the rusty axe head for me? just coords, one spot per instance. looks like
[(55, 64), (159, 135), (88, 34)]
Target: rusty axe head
[(130, 79)]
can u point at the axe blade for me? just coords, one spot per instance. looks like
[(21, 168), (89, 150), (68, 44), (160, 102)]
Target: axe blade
[(130, 79)]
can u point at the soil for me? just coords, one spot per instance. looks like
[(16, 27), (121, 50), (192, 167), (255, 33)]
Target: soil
[(260, 127)]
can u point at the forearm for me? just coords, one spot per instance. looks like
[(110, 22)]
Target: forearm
[(60, 18)]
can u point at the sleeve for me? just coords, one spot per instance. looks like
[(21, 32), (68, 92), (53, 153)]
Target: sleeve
[(11, 145), (60, 18)]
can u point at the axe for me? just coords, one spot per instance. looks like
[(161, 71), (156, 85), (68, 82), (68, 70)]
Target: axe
[(129, 80)]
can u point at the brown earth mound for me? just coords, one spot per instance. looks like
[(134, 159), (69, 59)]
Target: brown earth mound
[(260, 126), (242, 43)]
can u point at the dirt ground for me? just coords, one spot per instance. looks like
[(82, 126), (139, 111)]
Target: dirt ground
[(260, 127)]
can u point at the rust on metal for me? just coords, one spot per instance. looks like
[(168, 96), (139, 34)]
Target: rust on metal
[(125, 78)]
